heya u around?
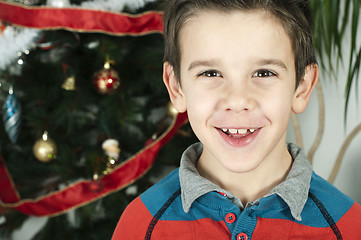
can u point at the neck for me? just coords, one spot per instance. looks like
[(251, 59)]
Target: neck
[(250, 186)]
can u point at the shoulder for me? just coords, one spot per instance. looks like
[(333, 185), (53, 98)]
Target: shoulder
[(344, 212), (156, 196), (328, 193), (164, 187), (133, 223)]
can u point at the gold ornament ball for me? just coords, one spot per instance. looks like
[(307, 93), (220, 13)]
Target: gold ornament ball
[(45, 149), (171, 110)]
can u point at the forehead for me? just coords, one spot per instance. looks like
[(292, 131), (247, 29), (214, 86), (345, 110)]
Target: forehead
[(236, 35)]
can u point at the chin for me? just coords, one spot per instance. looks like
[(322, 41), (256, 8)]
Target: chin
[(241, 166)]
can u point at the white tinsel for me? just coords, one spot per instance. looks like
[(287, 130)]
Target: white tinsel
[(105, 5), (115, 5), (14, 40)]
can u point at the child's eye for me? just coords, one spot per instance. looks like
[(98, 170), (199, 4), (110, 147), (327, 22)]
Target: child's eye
[(264, 73), (210, 73)]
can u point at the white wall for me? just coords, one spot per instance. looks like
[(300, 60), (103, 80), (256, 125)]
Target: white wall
[(348, 179)]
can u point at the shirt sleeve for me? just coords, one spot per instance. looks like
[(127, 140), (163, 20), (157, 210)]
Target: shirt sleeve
[(350, 223), (134, 222)]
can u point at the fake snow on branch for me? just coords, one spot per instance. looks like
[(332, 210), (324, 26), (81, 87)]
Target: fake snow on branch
[(106, 5), (14, 41)]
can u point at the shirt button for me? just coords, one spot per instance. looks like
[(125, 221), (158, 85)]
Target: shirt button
[(242, 236), (230, 218)]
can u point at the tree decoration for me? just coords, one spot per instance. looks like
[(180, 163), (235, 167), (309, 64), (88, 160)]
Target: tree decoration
[(82, 20), (60, 201), (12, 116), (96, 185), (2, 27), (112, 150), (115, 5), (107, 80), (28, 2), (69, 84), (58, 3), (171, 110), (16, 40), (45, 148)]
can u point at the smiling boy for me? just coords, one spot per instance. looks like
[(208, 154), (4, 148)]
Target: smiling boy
[(239, 68)]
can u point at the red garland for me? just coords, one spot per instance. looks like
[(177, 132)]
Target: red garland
[(79, 194), (81, 20)]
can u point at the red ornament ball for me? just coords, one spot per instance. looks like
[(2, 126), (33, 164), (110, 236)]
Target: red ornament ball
[(107, 80)]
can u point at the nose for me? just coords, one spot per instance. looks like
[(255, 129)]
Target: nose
[(239, 97)]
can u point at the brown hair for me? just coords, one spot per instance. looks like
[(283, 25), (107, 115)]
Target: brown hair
[(294, 15)]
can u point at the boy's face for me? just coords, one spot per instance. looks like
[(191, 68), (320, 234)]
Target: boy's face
[(238, 87)]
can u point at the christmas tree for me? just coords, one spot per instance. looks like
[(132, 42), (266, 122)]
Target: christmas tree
[(78, 104)]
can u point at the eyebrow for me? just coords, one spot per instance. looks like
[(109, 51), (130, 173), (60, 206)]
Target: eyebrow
[(202, 63), (275, 62), (213, 62)]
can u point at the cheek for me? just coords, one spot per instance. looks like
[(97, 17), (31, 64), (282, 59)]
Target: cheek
[(197, 107), (199, 100), (200, 107), (278, 106)]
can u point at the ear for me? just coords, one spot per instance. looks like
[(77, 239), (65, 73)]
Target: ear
[(303, 92), (174, 89)]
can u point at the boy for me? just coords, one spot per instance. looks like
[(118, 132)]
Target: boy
[(239, 68)]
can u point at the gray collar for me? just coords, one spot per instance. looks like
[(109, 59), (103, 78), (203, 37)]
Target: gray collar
[(293, 190)]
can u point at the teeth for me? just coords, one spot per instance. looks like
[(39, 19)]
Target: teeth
[(232, 131), (242, 131), (239, 131)]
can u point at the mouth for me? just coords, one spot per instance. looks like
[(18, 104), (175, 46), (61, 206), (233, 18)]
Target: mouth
[(239, 137), (238, 133)]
